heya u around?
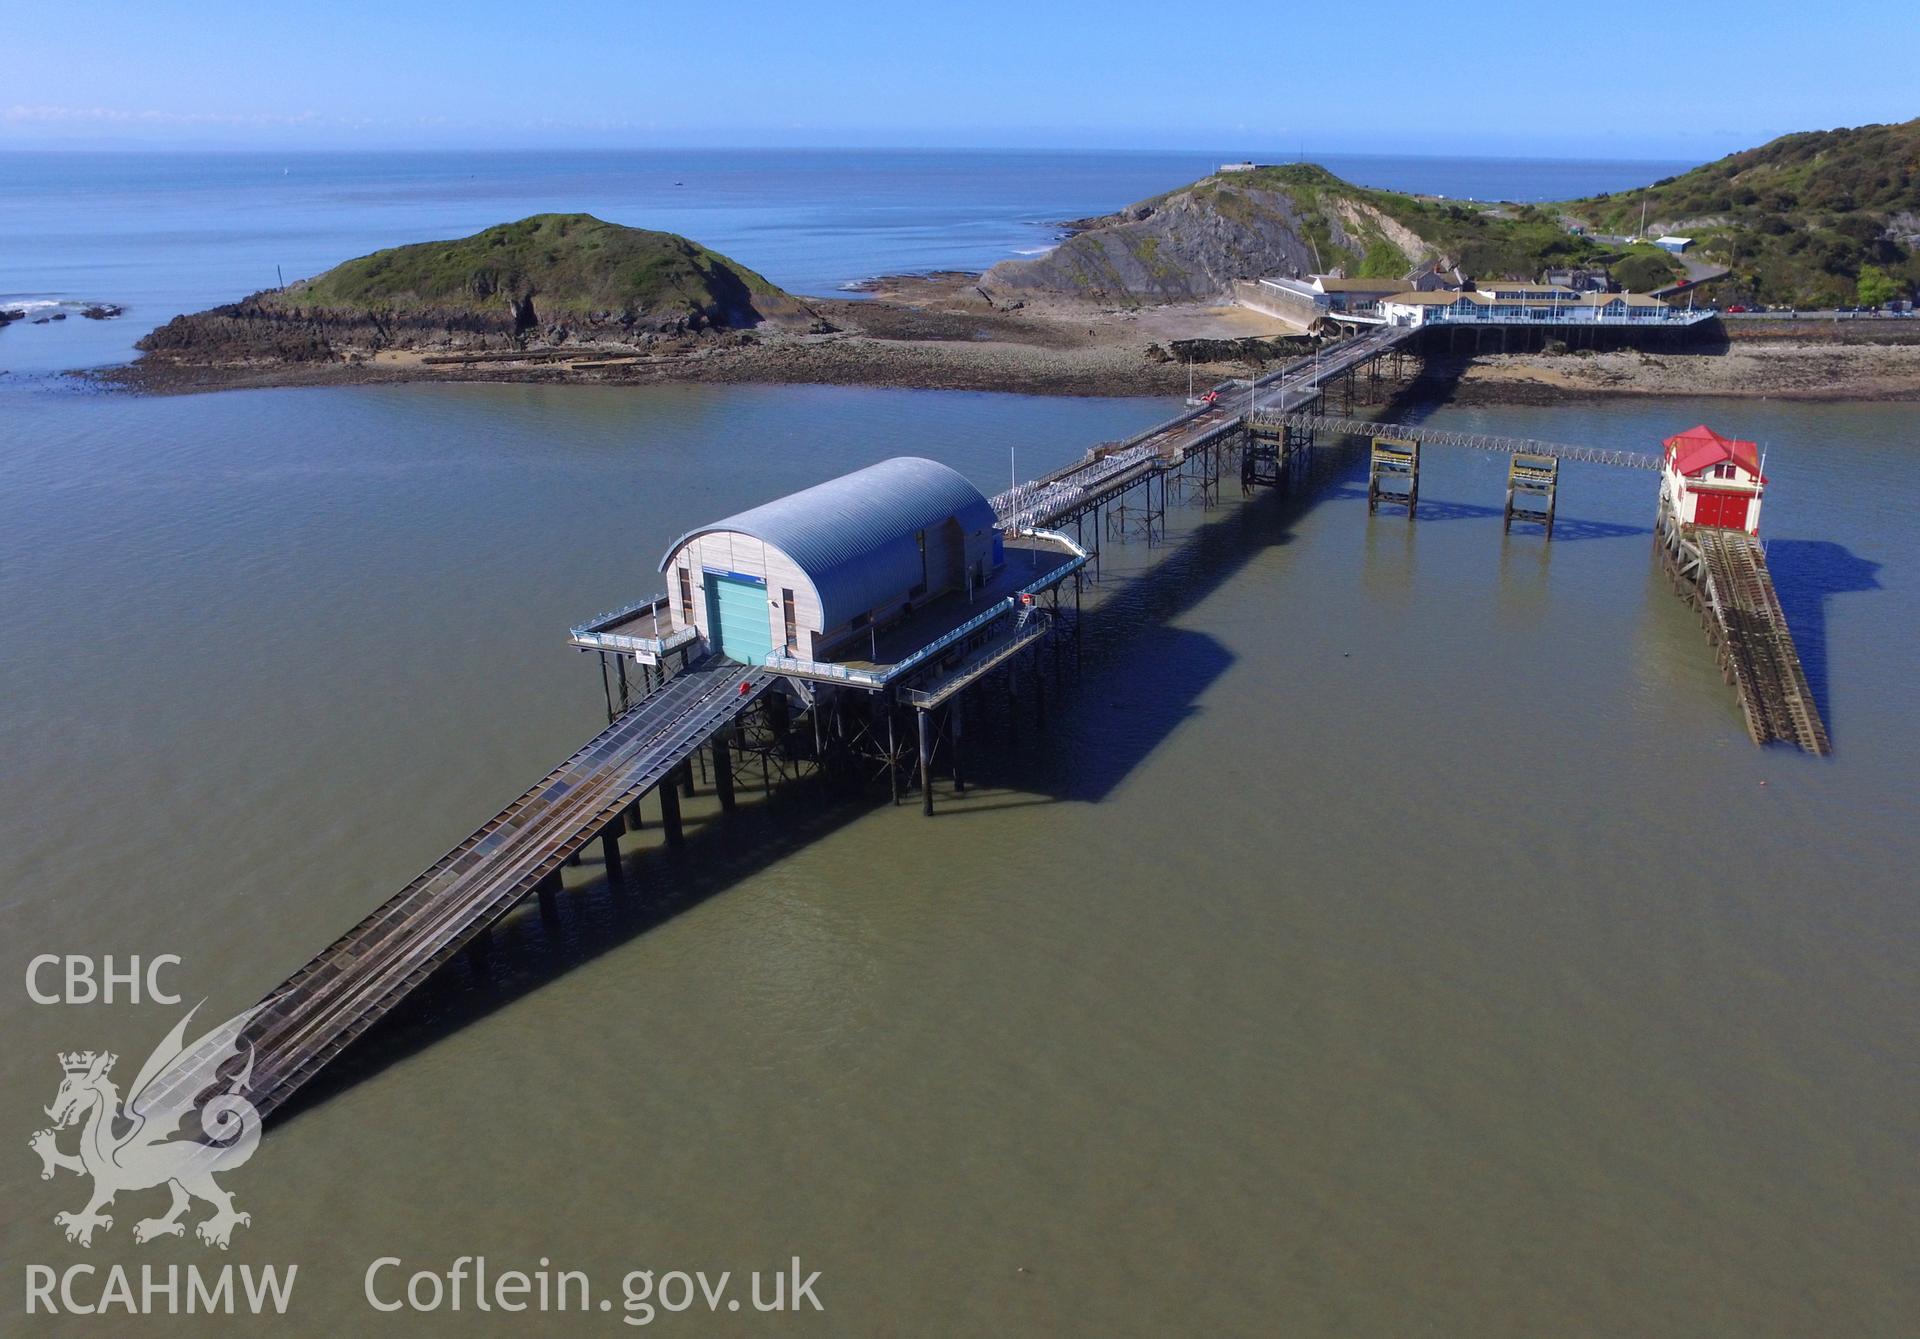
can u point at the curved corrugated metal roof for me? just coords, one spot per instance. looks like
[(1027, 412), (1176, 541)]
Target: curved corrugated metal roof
[(854, 536)]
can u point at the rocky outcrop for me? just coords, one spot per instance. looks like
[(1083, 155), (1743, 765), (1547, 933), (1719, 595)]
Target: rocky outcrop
[(1191, 244), (1178, 248), (553, 280), (256, 329)]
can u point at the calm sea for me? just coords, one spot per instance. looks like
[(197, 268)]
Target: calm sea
[(1391, 931)]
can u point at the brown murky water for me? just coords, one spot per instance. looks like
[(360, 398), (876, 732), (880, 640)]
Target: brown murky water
[(1391, 931)]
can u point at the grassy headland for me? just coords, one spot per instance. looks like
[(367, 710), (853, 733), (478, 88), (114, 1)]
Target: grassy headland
[(571, 264), (1800, 220)]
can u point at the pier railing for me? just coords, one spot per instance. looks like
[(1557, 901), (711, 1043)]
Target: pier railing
[(1477, 441), (880, 678)]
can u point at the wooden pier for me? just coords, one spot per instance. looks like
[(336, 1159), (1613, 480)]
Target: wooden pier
[(1723, 575), (517, 854), (852, 711)]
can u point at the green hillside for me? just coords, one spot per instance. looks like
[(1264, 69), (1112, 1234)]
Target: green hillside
[(550, 264), (1799, 219), (1517, 241)]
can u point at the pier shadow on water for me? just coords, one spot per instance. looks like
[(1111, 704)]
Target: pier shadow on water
[(1805, 573), (594, 916), (1130, 659)]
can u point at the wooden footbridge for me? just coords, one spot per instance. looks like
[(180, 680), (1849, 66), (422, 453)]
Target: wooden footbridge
[(649, 746)]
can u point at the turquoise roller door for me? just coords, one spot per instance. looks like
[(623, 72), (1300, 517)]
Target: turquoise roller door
[(737, 613)]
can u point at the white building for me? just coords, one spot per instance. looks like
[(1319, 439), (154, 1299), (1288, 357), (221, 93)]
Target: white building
[(1713, 480), (1524, 304)]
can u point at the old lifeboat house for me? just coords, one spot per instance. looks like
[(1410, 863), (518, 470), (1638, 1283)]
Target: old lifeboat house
[(1715, 481)]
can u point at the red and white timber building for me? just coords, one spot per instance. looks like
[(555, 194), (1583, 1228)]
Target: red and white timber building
[(1713, 480)]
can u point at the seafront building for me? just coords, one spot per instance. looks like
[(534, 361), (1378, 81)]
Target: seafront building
[(1436, 301), (1521, 304)]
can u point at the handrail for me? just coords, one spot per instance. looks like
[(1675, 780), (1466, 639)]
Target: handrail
[(593, 625), (1476, 441), (827, 669), (1038, 628)]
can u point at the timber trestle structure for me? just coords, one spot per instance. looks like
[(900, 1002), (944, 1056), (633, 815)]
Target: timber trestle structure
[(1722, 574)]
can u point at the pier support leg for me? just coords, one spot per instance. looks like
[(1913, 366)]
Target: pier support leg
[(548, 890), (686, 779), (610, 854), (670, 813), (723, 771), (480, 949), (953, 745), (893, 755), (926, 763)]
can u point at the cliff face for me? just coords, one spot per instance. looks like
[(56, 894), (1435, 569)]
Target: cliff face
[(1190, 244), (549, 279)]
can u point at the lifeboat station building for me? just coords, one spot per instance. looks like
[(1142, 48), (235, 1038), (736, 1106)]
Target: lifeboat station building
[(859, 580), (808, 573), (1715, 481)]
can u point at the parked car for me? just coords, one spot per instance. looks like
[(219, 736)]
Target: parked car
[(1736, 307)]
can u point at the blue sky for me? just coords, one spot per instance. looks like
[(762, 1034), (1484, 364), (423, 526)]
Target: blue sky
[(1466, 78)]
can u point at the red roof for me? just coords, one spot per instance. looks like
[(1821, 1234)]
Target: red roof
[(1701, 447)]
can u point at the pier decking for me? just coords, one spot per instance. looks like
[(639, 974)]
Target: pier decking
[(1723, 574), (359, 977)]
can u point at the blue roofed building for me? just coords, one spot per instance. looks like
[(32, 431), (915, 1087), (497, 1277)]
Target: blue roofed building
[(807, 573)]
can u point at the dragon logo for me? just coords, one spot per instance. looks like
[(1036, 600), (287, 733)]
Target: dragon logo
[(184, 1120)]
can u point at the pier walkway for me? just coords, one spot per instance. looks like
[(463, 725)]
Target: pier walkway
[(1723, 574), (1104, 474), (1474, 441), (1757, 646), (359, 977), (647, 747)]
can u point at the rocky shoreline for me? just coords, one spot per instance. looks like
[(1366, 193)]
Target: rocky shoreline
[(954, 331), (1811, 369)]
